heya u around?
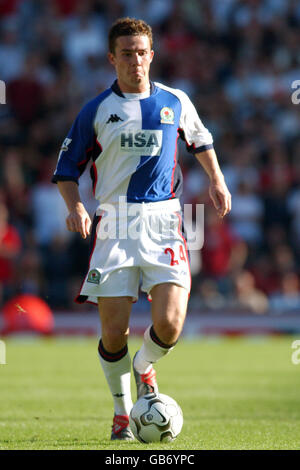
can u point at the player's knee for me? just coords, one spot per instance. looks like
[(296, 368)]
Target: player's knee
[(168, 330), (115, 337)]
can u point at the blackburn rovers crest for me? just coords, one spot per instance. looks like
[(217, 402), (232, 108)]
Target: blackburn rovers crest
[(94, 276), (167, 115)]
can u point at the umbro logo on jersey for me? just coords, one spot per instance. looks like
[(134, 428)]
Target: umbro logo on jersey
[(114, 118)]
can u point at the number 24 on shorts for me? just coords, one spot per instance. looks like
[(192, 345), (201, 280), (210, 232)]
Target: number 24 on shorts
[(181, 255)]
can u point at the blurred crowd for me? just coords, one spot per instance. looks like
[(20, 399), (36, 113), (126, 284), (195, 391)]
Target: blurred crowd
[(237, 61)]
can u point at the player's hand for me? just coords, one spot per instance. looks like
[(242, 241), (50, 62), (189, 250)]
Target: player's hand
[(220, 196), (79, 220)]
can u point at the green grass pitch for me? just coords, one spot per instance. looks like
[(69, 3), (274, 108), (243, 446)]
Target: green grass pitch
[(234, 393)]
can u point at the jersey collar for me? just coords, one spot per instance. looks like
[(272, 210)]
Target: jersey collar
[(116, 89)]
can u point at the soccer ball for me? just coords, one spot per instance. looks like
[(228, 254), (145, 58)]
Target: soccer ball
[(156, 418)]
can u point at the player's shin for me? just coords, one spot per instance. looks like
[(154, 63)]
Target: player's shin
[(151, 351), (116, 368)]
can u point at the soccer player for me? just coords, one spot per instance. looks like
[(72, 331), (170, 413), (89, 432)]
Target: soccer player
[(129, 132)]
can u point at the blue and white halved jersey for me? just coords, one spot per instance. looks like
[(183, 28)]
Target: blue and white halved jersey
[(132, 142)]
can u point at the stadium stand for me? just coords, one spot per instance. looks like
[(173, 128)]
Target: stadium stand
[(237, 60)]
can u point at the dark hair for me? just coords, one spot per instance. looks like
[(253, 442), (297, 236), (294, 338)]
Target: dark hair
[(128, 27)]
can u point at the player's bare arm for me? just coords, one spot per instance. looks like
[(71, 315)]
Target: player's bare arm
[(78, 219), (218, 190)]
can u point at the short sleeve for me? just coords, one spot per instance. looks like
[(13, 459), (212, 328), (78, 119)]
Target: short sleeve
[(191, 128), (77, 147)]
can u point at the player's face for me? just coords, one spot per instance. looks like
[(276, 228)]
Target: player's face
[(132, 58)]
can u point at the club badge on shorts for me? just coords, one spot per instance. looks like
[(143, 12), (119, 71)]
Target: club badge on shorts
[(167, 115), (94, 276)]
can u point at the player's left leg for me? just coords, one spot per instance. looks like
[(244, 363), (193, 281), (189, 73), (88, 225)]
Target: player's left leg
[(169, 305)]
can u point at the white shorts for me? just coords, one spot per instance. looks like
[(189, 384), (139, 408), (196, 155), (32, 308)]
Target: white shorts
[(143, 243)]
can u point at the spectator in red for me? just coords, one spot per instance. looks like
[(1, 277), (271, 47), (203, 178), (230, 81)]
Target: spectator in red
[(8, 7), (10, 247), (219, 243), (65, 7), (25, 94), (265, 274), (177, 36), (277, 169)]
